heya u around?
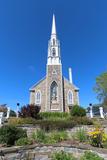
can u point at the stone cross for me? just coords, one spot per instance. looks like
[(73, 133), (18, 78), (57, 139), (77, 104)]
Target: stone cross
[(1, 118), (91, 112), (101, 112)]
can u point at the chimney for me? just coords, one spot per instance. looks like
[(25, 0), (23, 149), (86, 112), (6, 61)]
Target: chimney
[(70, 75)]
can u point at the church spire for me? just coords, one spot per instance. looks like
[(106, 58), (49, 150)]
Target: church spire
[(54, 47), (53, 26)]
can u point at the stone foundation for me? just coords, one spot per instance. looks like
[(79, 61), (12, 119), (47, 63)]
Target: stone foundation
[(40, 152)]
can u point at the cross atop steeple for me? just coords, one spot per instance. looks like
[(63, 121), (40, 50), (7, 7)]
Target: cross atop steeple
[(53, 26)]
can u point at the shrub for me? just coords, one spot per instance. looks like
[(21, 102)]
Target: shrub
[(23, 141), (39, 136), (56, 124), (78, 111), (67, 156), (48, 125), (59, 136), (98, 137), (54, 115), (12, 113), (29, 110), (82, 120), (90, 156), (21, 121), (44, 124), (49, 138), (9, 134), (62, 156), (81, 135)]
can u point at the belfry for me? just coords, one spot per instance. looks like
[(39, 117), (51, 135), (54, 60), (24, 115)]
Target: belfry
[(54, 93)]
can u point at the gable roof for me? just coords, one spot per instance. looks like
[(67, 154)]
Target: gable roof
[(76, 88), (32, 88)]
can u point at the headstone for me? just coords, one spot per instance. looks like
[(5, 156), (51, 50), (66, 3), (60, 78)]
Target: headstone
[(91, 112), (1, 118), (101, 112)]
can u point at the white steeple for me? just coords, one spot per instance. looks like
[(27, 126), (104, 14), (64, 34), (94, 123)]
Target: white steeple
[(54, 47), (53, 26)]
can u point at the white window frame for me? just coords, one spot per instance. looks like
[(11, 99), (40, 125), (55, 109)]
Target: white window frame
[(38, 101), (70, 102)]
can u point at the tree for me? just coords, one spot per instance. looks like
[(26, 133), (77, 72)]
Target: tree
[(78, 111), (29, 110), (3, 109), (12, 113), (9, 134), (101, 87)]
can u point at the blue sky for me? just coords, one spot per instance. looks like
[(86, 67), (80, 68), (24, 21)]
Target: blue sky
[(25, 28)]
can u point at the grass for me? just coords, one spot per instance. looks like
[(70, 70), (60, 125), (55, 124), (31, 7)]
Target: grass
[(41, 136), (81, 135), (88, 155), (55, 115)]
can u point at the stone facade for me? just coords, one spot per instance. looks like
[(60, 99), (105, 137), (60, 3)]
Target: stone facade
[(54, 92), (69, 87), (64, 86), (41, 86), (54, 73)]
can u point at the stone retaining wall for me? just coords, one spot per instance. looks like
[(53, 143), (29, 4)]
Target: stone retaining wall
[(40, 152), (30, 129)]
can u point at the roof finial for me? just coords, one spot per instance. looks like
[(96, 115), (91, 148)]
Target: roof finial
[(53, 26)]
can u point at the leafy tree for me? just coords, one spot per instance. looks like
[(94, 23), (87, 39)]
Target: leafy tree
[(78, 111), (9, 134), (12, 113), (29, 110), (101, 87), (3, 109)]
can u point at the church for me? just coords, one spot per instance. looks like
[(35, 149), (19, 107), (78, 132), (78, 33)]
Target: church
[(54, 93)]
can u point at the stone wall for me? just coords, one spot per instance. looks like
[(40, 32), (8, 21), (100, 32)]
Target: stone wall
[(54, 73), (42, 88), (31, 129), (44, 152), (68, 86)]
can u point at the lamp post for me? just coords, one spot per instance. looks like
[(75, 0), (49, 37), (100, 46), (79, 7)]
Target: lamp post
[(18, 104), (101, 112), (91, 111)]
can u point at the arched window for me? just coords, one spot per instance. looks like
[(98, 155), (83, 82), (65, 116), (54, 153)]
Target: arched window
[(53, 52), (70, 97), (53, 41), (54, 92), (38, 97)]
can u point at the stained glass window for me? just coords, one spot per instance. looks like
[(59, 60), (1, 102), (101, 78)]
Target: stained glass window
[(54, 91)]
